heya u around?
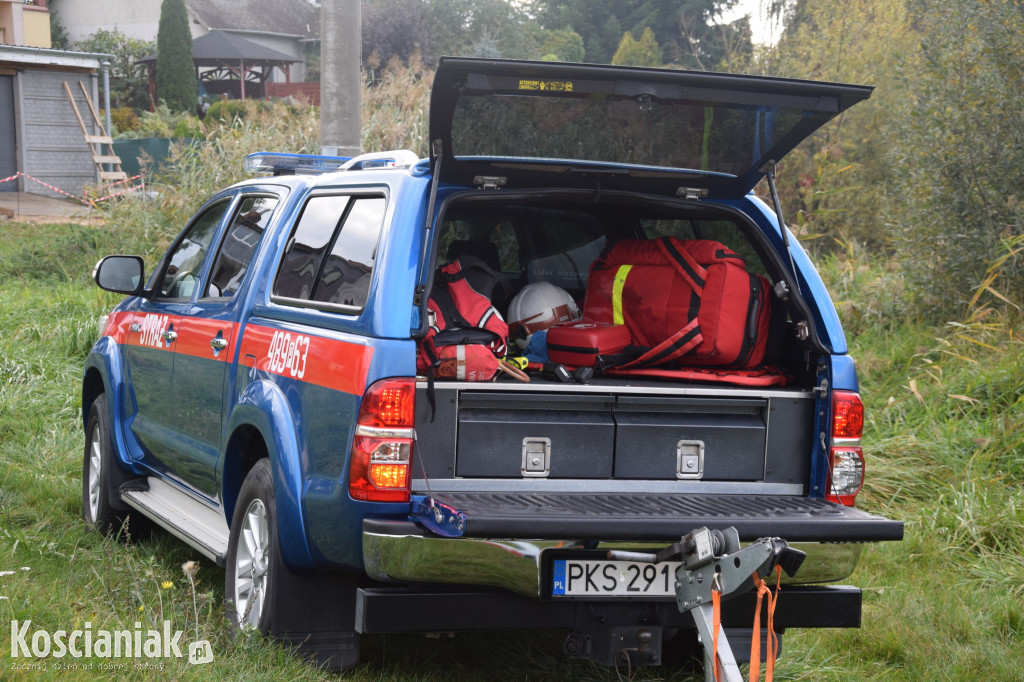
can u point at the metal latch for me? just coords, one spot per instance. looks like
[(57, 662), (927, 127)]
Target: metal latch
[(690, 459), (692, 193), (536, 457), (490, 181)]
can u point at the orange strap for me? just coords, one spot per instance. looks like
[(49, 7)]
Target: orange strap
[(755, 639), (716, 623)]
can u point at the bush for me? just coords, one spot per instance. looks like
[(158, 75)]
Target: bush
[(124, 119), (189, 127), (227, 110)]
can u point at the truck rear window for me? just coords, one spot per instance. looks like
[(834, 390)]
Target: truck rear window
[(558, 245)]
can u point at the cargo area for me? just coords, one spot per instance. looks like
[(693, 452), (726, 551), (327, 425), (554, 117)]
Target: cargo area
[(614, 434)]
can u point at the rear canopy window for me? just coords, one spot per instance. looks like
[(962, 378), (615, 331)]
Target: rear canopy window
[(586, 121), (329, 257), (558, 245)]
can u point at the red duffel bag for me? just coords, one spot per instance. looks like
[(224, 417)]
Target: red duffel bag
[(688, 302)]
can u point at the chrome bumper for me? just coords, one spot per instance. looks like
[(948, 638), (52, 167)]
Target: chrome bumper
[(515, 565)]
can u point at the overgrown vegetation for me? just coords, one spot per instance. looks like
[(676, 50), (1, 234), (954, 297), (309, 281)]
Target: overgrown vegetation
[(926, 171)]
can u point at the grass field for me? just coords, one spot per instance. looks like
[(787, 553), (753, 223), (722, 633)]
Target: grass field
[(945, 442)]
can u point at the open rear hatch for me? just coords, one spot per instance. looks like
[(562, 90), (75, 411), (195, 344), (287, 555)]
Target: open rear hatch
[(530, 124)]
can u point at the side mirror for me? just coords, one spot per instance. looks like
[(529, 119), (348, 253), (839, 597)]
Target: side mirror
[(120, 274)]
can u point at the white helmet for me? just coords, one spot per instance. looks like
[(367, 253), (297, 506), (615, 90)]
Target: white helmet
[(538, 306)]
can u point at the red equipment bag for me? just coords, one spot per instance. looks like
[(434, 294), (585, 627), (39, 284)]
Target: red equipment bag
[(689, 302), (461, 314), (465, 363), (583, 344)]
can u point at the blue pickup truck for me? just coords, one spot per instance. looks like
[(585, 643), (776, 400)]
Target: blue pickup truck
[(257, 395)]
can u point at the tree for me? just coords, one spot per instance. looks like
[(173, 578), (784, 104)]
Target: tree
[(128, 81), (643, 52), (175, 72), (563, 45), (59, 39), (959, 144), (397, 28), (687, 30), (432, 28), (834, 184)]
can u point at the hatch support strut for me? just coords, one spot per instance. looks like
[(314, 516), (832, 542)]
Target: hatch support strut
[(769, 170)]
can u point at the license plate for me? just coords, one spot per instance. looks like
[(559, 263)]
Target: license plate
[(595, 577)]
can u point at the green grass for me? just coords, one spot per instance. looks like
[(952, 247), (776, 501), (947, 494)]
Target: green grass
[(945, 441)]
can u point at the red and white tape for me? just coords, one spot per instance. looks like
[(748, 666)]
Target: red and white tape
[(87, 202)]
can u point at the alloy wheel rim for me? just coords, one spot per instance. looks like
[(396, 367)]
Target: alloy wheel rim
[(252, 564), (95, 463)]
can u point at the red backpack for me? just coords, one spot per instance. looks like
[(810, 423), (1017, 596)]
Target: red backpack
[(466, 334), (685, 302)]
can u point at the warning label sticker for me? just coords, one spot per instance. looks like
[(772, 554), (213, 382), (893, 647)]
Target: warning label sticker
[(547, 86)]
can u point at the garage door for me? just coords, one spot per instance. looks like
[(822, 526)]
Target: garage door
[(8, 157)]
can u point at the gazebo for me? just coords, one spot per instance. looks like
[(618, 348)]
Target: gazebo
[(223, 59)]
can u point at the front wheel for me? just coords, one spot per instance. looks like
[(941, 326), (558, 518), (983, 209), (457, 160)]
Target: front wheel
[(99, 476), (251, 567)]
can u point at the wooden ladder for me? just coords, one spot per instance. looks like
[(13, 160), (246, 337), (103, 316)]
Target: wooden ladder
[(99, 157)]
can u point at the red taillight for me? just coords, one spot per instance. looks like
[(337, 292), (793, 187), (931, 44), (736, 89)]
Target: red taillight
[(846, 459), (382, 446)]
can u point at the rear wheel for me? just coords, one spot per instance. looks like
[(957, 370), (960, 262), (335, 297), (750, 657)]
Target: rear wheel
[(252, 562)]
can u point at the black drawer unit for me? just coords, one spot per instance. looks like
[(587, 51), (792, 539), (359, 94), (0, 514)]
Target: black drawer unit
[(690, 438), (535, 435)]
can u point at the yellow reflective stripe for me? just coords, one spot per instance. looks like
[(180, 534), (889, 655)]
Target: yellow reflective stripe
[(620, 281)]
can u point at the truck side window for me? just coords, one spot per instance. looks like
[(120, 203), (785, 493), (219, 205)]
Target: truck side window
[(239, 245), (330, 256), (183, 263)]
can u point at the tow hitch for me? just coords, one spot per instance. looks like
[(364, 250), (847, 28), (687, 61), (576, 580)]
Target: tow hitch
[(715, 568)]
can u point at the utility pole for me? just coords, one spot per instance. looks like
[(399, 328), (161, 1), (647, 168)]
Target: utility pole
[(340, 78)]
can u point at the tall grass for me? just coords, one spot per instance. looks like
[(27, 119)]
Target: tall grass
[(945, 445)]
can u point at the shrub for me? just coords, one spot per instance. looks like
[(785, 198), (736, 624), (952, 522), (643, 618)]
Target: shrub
[(226, 110), (124, 119), (189, 127)]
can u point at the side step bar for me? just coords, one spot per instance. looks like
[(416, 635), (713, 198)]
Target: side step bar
[(185, 517)]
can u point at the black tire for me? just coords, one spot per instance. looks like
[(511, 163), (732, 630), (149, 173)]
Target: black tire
[(99, 478), (253, 563)]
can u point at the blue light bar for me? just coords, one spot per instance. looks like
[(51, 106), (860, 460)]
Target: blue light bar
[(292, 164)]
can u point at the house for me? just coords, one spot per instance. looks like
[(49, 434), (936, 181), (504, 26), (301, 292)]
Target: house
[(284, 26), (24, 23), (39, 134)]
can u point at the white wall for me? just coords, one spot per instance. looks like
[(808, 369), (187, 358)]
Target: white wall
[(135, 18)]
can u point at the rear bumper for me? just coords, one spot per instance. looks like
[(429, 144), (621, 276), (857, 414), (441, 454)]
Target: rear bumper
[(400, 551), (390, 610)]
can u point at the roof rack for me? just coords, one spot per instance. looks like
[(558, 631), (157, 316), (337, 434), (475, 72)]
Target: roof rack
[(310, 164)]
